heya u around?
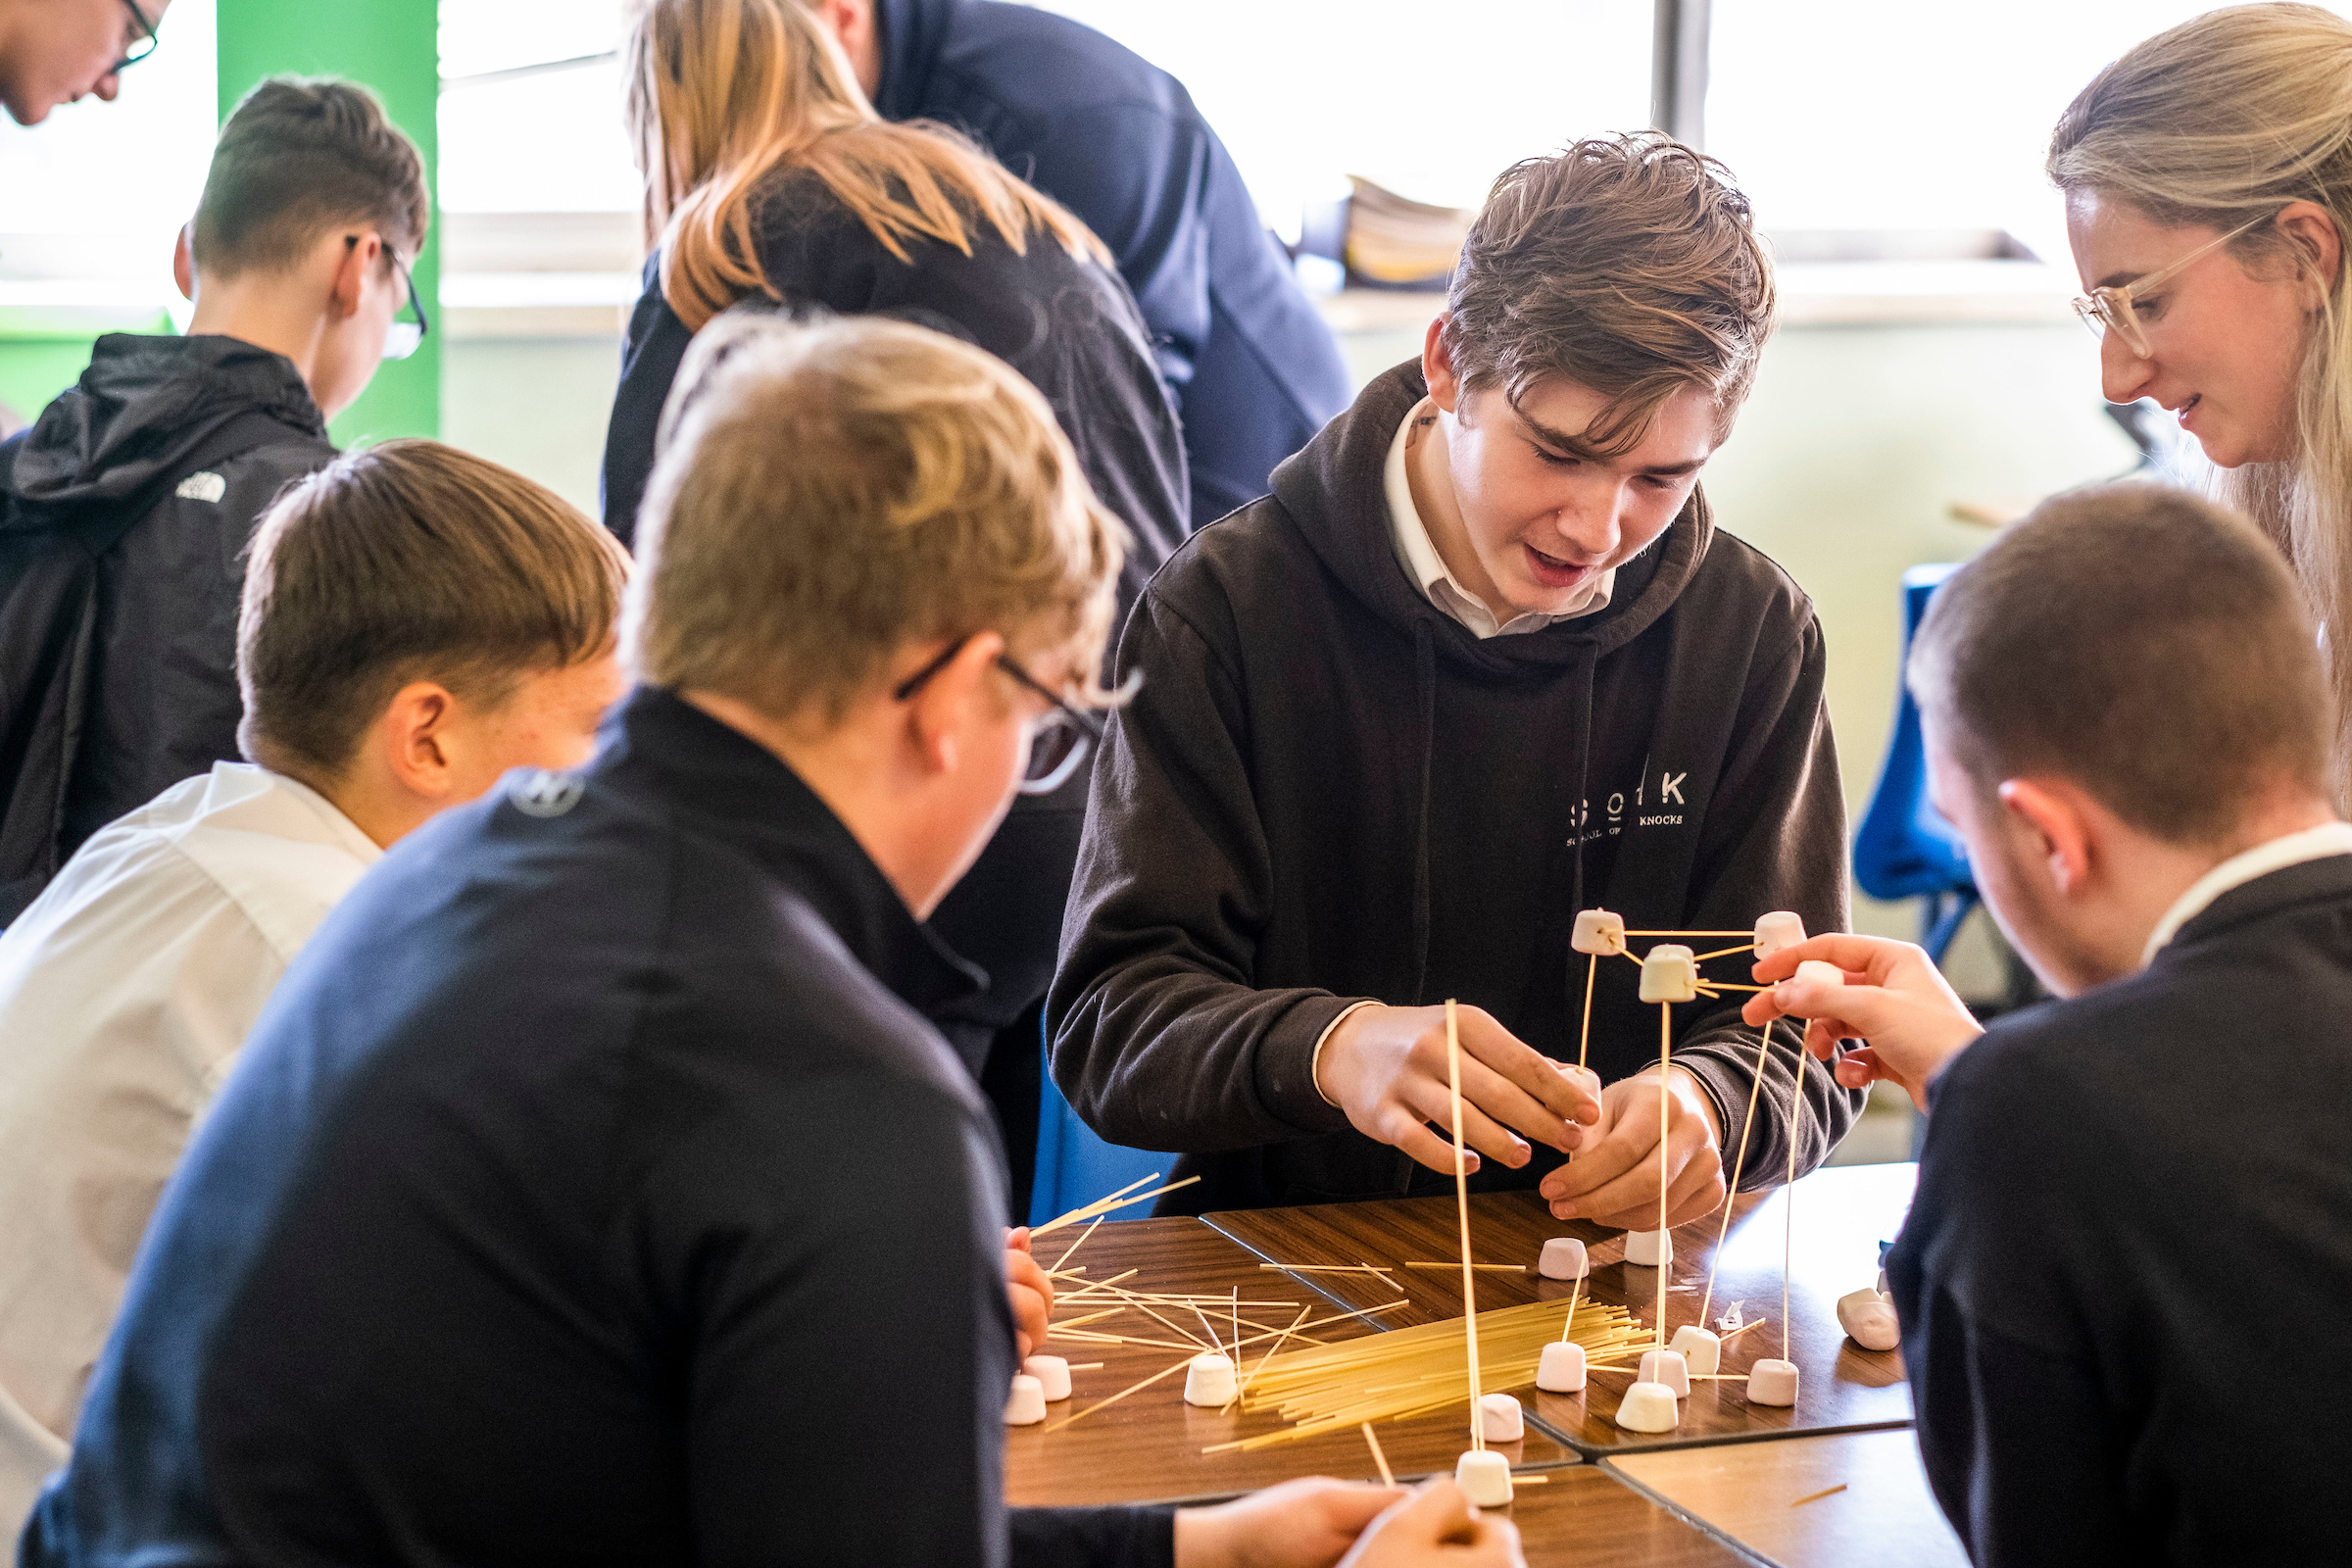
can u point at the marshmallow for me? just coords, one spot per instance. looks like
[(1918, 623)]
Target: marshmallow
[(1700, 1349), (1778, 930), (1051, 1371), (1599, 932), (1208, 1380), (1820, 973), (1648, 1248), (1484, 1478), (1667, 1370), (1669, 973), (1772, 1383), (1027, 1405), (1562, 1368), (1563, 1259), (1869, 1318), (1500, 1419), (1648, 1408)]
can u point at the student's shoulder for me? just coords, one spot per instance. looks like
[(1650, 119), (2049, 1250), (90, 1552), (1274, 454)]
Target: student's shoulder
[(1031, 66), (1737, 578), (1253, 558), (2069, 1073)]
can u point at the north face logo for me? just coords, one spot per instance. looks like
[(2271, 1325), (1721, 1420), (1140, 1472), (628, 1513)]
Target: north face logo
[(202, 486)]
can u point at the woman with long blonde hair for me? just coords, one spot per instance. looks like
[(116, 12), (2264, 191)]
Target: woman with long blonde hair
[(2208, 181), (769, 177)]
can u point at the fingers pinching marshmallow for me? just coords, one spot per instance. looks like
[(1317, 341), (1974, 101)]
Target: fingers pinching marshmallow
[(1815, 972), (1669, 973), (1599, 932), (1869, 1318), (1051, 1371), (1648, 1248), (1778, 930)]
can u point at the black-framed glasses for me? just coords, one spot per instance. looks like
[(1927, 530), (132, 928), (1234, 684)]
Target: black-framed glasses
[(138, 39), (1063, 737), (404, 338), (401, 339)]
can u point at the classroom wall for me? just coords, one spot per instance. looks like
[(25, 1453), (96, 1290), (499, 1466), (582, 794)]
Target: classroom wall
[(1844, 466)]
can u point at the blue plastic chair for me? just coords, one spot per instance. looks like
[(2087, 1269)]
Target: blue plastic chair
[(1074, 1167), (1905, 849)]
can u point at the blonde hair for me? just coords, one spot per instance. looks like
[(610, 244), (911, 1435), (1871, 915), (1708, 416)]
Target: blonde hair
[(827, 493), (724, 93), (2220, 121), (1628, 265), (409, 560)]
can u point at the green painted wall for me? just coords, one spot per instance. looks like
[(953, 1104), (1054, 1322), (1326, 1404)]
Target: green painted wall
[(392, 46)]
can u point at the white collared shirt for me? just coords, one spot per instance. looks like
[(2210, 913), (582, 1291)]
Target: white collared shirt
[(1428, 570), (125, 990), (2295, 849)]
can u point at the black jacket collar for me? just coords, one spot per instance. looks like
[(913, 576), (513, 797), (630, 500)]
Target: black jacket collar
[(719, 782), (2324, 881)]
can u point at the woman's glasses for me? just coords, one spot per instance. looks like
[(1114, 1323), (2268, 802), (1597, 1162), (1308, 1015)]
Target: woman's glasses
[(2109, 310)]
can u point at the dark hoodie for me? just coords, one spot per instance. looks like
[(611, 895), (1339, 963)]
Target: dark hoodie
[(1328, 791), (162, 701)]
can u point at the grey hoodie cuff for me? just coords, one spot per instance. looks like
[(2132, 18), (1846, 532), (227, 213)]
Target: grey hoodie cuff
[(1726, 1079)]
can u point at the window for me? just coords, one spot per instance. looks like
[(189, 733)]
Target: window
[(531, 108)]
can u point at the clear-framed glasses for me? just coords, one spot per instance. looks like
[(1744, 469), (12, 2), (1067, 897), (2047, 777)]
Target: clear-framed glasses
[(1064, 738), (403, 337), (2109, 310), (138, 39)]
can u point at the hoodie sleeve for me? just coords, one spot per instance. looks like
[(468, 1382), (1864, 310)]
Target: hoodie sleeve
[(1774, 839), (1160, 1041)]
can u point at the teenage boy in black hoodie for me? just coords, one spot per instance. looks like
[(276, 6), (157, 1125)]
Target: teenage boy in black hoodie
[(2121, 1281), (1480, 661), (298, 263)]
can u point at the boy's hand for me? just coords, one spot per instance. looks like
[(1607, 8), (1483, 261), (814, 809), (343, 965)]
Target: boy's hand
[(1614, 1179), (1299, 1523), (1893, 997), (1028, 1290), (1438, 1525), (1386, 1068)]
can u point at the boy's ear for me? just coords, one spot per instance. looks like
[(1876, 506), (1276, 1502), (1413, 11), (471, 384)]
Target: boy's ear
[(1436, 369), (2051, 815), (937, 713), (183, 260), (412, 732), (351, 275)]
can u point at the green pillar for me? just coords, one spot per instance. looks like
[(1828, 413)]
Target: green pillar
[(392, 46)]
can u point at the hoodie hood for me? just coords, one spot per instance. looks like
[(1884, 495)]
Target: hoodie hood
[(1334, 491), (913, 34), (144, 405)]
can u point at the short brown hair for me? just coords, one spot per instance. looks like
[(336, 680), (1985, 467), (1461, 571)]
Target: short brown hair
[(409, 560), (297, 157), (1628, 265), (2140, 641), (828, 492)]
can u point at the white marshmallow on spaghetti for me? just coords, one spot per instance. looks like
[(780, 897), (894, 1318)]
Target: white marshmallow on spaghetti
[(1051, 1371), (1209, 1379), (1484, 1478), (1563, 1258), (1702, 1350), (1500, 1418), (1778, 931), (1648, 1408), (1026, 1406), (1599, 932), (1648, 1248), (1561, 1368), (1670, 973)]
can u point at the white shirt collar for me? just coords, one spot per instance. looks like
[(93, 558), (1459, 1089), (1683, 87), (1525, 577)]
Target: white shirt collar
[(2311, 844), (1428, 570)]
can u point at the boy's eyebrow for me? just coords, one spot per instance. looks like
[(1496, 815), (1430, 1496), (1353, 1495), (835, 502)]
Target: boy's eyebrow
[(1578, 447)]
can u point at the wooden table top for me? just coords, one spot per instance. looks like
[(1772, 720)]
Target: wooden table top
[(1752, 1491), (1586, 1518), (1148, 1447), (1841, 1215)]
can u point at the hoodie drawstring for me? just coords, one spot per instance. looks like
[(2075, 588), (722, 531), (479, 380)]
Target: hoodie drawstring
[(1589, 662), (1425, 673)]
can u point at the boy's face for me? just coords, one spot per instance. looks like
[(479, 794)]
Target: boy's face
[(2012, 870), (55, 51), (1544, 515)]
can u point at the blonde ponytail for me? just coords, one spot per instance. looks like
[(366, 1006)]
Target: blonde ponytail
[(2217, 122)]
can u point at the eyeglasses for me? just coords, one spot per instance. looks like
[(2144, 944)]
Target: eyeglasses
[(1063, 737), (404, 338), (2106, 310), (139, 40)]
